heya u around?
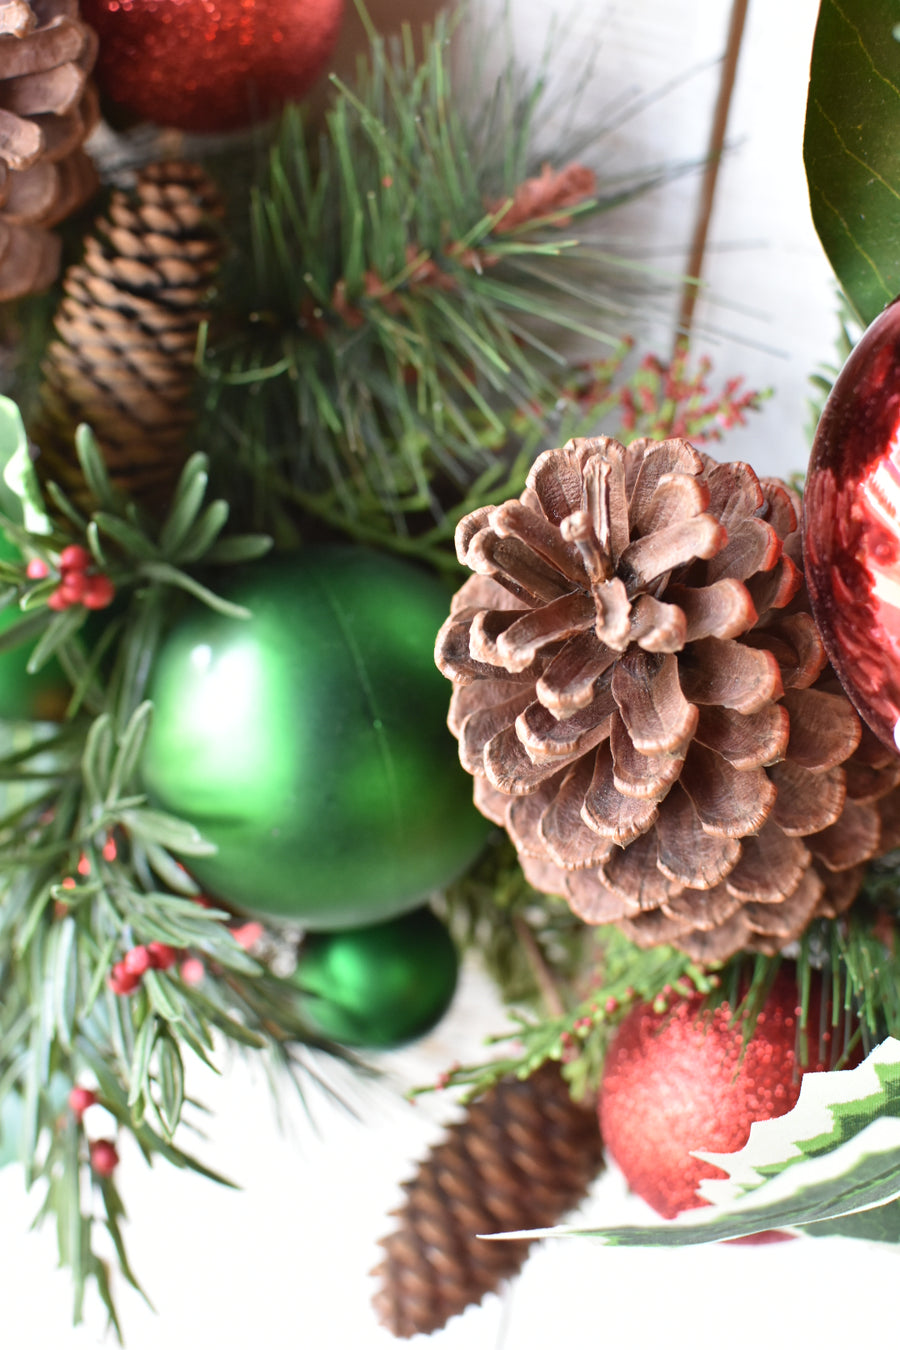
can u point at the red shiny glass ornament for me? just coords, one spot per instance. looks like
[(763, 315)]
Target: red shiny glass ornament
[(851, 526), (210, 65)]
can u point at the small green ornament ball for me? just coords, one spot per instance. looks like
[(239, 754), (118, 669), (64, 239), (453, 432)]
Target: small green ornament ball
[(309, 743), (380, 986)]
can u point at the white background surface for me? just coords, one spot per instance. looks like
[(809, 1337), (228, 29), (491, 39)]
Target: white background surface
[(284, 1261)]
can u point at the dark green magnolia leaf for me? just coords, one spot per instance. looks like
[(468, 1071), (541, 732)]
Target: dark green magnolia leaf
[(852, 148)]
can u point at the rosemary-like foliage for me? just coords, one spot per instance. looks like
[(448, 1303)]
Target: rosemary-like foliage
[(90, 872)]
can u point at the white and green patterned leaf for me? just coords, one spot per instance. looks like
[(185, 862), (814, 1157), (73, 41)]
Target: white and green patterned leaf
[(831, 1163), (20, 494), (831, 1108)]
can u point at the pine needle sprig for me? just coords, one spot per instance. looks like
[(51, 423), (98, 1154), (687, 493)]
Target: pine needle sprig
[(382, 291), (612, 396)]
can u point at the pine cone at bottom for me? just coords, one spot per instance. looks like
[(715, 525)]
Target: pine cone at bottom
[(524, 1155)]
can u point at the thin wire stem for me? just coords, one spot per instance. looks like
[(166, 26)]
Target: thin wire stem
[(711, 172)]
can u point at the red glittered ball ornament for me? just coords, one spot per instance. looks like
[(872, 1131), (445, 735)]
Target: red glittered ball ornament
[(210, 65), (851, 526), (677, 1081)]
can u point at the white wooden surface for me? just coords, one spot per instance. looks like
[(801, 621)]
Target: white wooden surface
[(284, 1261)]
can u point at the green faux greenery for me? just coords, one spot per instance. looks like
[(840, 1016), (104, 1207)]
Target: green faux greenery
[(851, 147), (90, 872), (399, 288)]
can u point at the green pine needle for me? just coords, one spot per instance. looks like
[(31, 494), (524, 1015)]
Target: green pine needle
[(381, 302)]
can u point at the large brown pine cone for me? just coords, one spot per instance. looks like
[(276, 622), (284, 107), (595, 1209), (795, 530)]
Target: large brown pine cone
[(524, 1155), (123, 357), (47, 110), (646, 706)]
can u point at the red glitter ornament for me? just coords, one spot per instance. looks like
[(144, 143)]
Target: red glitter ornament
[(851, 526), (210, 65), (677, 1081)]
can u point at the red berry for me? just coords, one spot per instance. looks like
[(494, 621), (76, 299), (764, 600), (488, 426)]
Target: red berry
[(72, 587), (74, 558), (98, 591), (80, 1098), (37, 569), (138, 961), (192, 970), (56, 600), (121, 981), (162, 956), (247, 935), (677, 1082), (104, 1158)]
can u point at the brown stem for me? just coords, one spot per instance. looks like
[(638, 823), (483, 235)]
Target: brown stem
[(539, 967), (711, 171)]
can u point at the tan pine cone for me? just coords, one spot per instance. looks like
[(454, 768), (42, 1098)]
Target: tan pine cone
[(47, 110), (645, 702), (123, 357), (524, 1155)]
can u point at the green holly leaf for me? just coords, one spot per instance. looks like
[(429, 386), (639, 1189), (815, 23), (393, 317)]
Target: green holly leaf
[(831, 1163), (872, 1225), (852, 147), (20, 494)]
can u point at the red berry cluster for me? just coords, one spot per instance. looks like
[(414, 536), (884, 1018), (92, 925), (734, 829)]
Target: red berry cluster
[(103, 1152), (127, 974), (78, 584)]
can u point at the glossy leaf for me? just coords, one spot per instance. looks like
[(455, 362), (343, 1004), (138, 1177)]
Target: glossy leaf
[(852, 147)]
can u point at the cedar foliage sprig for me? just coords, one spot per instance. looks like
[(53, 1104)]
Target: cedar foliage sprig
[(617, 975), (400, 286), (857, 958), (88, 871)]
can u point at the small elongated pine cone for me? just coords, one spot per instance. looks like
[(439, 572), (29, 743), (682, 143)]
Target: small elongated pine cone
[(48, 108), (522, 1157), (126, 333), (646, 705)]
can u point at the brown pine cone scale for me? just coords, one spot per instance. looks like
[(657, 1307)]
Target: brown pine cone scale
[(522, 1157), (47, 110), (646, 705)]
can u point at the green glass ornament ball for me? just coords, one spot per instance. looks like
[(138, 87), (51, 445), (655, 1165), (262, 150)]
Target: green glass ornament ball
[(41, 697), (309, 742), (380, 986)]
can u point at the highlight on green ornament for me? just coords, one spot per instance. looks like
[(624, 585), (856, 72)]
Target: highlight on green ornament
[(308, 743)]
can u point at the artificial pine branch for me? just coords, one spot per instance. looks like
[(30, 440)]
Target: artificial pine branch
[(399, 288), (613, 395)]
